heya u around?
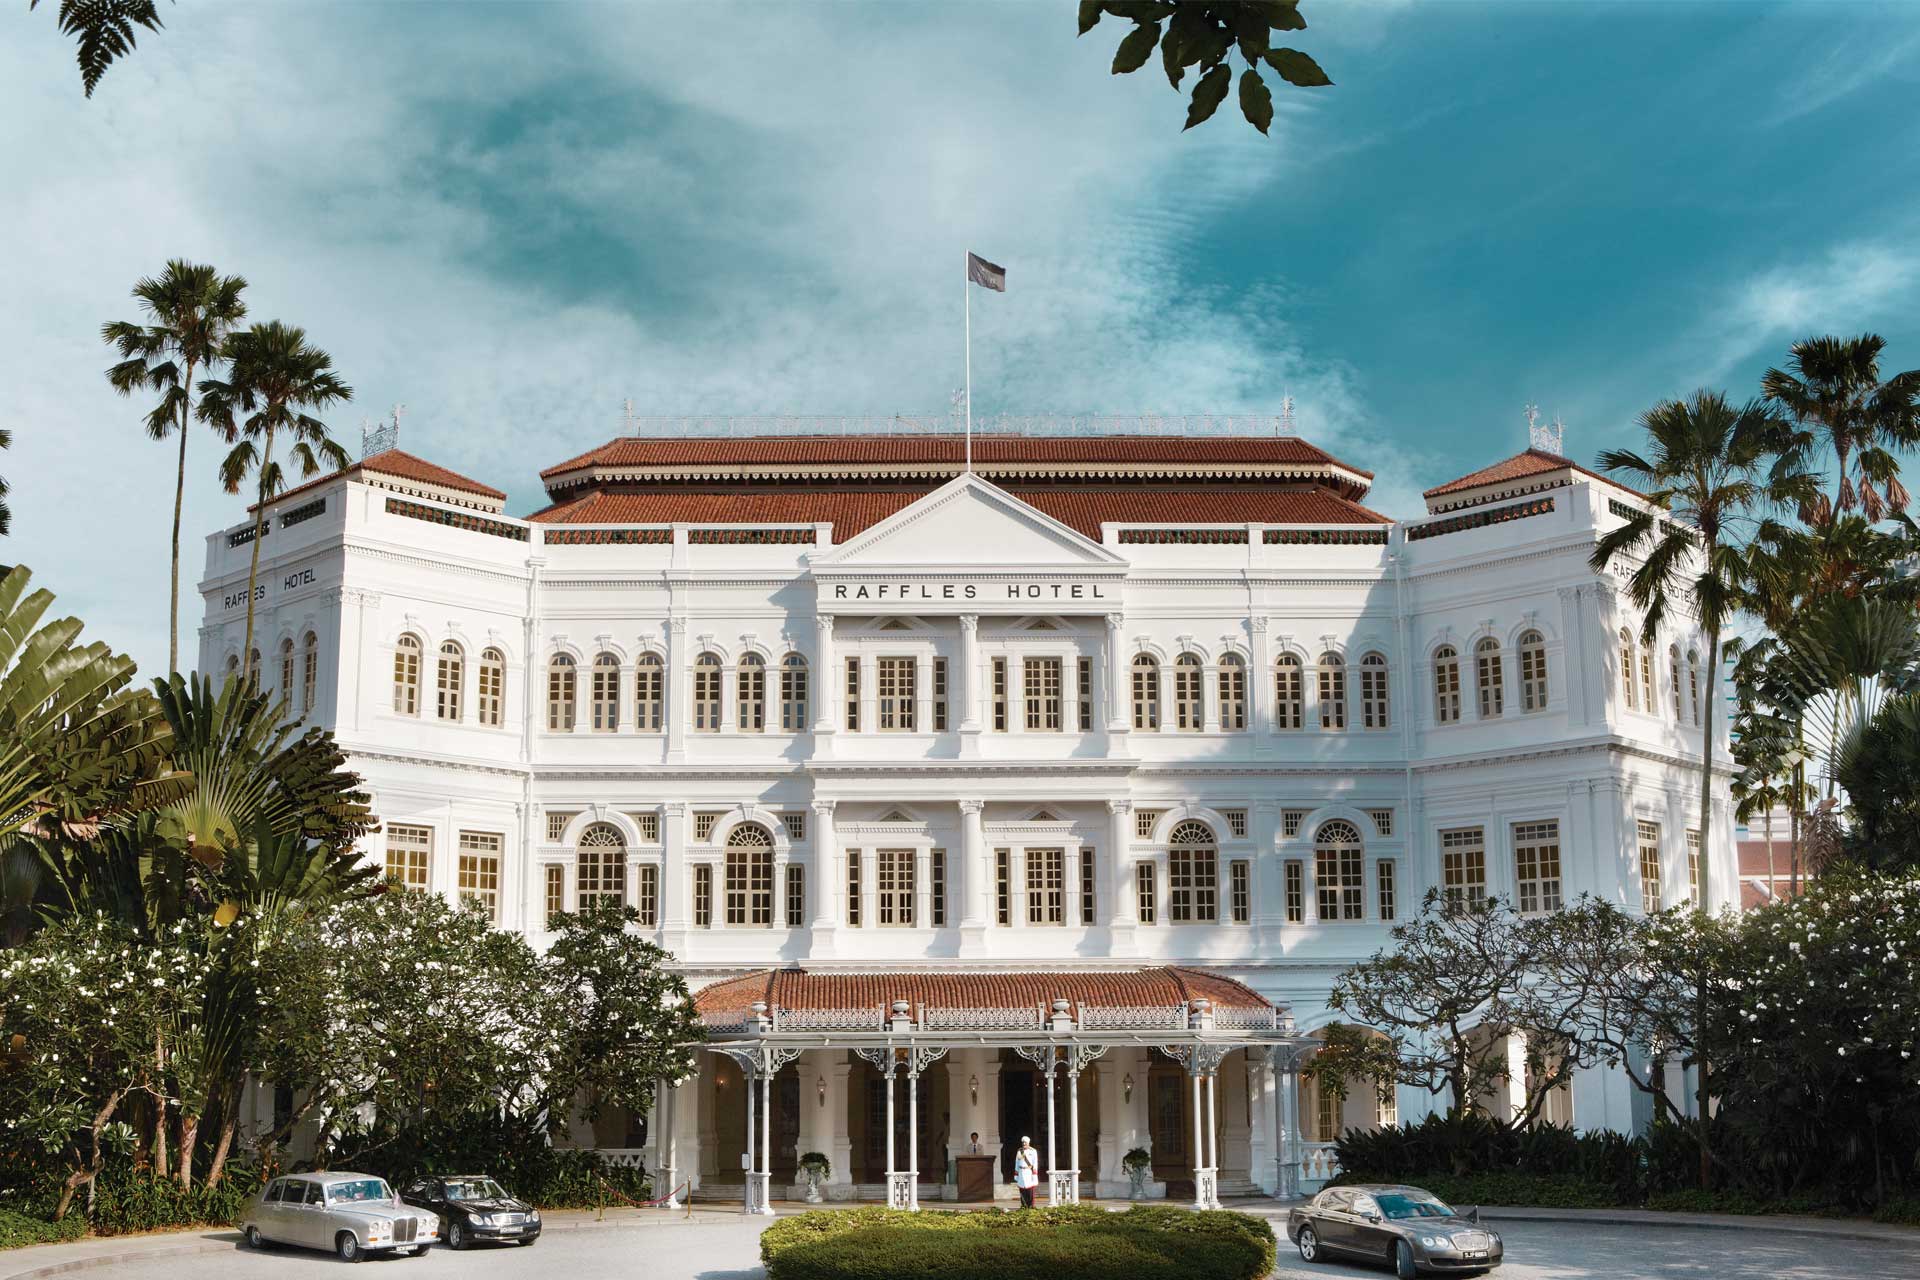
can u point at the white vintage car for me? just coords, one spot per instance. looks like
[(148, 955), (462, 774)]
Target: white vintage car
[(353, 1214)]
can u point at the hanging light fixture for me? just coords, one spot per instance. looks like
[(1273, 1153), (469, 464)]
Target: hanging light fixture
[(820, 1089), (973, 1087), (1126, 1087)]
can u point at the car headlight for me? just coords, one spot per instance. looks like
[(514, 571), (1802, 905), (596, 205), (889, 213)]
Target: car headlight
[(533, 1215), (1432, 1242)]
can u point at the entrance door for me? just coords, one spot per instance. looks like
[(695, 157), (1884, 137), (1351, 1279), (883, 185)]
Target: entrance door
[(1022, 1112), (1166, 1122)]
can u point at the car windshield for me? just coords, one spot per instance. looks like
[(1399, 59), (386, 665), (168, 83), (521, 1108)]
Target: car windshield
[(1396, 1204), (474, 1189), (358, 1190)]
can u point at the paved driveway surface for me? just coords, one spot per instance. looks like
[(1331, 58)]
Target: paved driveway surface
[(728, 1249)]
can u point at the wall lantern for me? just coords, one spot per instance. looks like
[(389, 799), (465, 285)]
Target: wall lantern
[(1126, 1087), (820, 1090), (973, 1087)]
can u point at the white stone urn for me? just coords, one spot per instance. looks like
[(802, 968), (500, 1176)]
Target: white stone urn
[(814, 1170)]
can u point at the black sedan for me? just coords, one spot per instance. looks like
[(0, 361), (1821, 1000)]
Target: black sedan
[(474, 1207), (1408, 1229)]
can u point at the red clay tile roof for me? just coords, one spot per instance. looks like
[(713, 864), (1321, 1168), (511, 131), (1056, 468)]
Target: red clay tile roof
[(1532, 462), (397, 462), (681, 451), (1079, 507), (798, 989)]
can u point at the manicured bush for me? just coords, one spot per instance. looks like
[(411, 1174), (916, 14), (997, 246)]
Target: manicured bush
[(518, 1156), (1576, 1166), (127, 1201), (18, 1229), (1530, 1189), (1072, 1242)]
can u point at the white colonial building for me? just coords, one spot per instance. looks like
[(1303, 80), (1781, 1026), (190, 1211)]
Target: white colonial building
[(1091, 764)]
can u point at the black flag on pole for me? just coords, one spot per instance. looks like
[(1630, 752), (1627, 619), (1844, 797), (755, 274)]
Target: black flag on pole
[(985, 274)]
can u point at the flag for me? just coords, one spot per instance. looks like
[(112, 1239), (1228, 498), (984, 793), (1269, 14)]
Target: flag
[(985, 274)]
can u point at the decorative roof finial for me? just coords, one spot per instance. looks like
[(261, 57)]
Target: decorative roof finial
[(383, 437), (1548, 439), (1286, 414)]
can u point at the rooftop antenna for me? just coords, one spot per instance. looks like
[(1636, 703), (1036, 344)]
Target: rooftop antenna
[(627, 420), (1548, 439), (1286, 414)]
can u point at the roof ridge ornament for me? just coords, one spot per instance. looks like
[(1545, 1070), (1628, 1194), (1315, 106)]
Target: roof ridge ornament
[(1548, 439)]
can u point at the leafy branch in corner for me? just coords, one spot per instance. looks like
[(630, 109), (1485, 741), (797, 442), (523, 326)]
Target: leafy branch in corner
[(1203, 34), (105, 28)]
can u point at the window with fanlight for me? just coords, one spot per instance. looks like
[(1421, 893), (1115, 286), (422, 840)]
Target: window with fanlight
[(1340, 871), (750, 694), (749, 875), (1188, 679), (1193, 874), (1333, 691), (601, 866), (449, 679), (490, 692), (1288, 695), (606, 693), (1490, 678), (793, 693), (561, 674), (1232, 682), (649, 688), (1446, 684), (1533, 671), (1146, 692), (406, 675), (706, 693), (1375, 705)]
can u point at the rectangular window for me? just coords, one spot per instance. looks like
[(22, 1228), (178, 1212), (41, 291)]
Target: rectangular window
[(1463, 866), (893, 884), (648, 825), (853, 887), (479, 870), (556, 890), (1046, 887), (310, 679), (1041, 687), (557, 826), (796, 895), (1536, 866), (703, 896), (1000, 694), (1326, 1115), (647, 883), (1649, 833), (1291, 820), (1696, 869), (1382, 820), (1384, 873), (852, 695), (796, 825), (1296, 891), (1089, 903), (703, 826), (1240, 891), (1084, 676), (409, 851), (896, 678), (1144, 895), (1144, 821), (1236, 822), (937, 890), (1340, 881), (1193, 886), (1003, 886), (939, 695)]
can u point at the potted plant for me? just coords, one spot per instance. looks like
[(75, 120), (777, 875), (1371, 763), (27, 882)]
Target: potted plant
[(1138, 1164), (815, 1169)]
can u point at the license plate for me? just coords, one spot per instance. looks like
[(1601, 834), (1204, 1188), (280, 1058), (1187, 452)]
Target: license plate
[(1473, 1253), (513, 1231)]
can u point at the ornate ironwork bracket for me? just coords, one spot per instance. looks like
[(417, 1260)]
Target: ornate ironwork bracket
[(1040, 1055), (747, 1058), (920, 1057), (880, 1058), (1199, 1059), (1079, 1055), (779, 1057)]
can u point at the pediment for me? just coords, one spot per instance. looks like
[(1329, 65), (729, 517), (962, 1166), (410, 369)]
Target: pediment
[(971, 522)]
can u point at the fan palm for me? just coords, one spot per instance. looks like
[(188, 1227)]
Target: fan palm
[(1833, 392), (190, 311), (106, 31), (275, 384)]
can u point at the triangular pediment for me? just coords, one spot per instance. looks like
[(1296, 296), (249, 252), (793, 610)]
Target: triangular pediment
[(969, 521)]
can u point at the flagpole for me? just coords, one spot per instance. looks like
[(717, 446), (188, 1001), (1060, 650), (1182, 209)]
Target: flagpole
[(966, 307)]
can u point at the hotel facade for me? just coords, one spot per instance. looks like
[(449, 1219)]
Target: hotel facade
[(1042, 795)]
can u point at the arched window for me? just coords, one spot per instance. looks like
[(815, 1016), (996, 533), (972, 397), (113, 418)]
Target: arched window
[(1188, 676), (606, 693), (491, 693), (1446, 685), (1193, 874), (560, 693), (233, 664), (706, 693), (1288, 693), (310, 673), (1233, 693), (602, 866), (1375, 708), (1146, 692), (1693, 682), (749, 875), (1333, 691), (1679, 677), (447, 679), (1340, 871), (1533, 671), (253, 668), (648, 686), (1647, 702), (1489, 678), (1626, 668), (793, 693), (406, 676), (750, 689), (286, 671)]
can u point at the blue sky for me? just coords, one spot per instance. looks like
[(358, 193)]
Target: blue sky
[(513, 217)]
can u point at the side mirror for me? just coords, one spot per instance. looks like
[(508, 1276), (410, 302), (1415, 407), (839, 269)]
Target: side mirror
[(1373, 1217), (1473, 1215)]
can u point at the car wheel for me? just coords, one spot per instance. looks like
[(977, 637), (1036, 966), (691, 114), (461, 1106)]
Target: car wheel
[(1403, 1266), (456, 1234), (1309, 1245), (255, 1240), (347, 1245)]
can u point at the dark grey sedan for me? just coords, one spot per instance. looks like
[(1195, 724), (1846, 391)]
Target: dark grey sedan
[(1406, 1228)]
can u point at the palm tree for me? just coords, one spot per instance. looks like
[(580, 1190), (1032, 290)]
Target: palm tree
[(277, 381), (1832, 390), (190, 310), (106, 31)]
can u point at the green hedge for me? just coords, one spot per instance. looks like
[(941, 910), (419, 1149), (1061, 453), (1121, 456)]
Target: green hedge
[(1075, 1242), (1538, 1190), (518, 1156), (17, 1229)]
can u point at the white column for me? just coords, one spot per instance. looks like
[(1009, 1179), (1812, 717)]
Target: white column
[(888, 1076), (667, 1144), (1122, 910), (1290, 1131), (966, 682), (673, 690), (1073, 1133), (765, 1191), (675, 879), (976, 878), (838, 1076), (1260, 1160), (923, 887), (825, 873), (913, 1138), (746, 1198), (1052, 1166), (1118, 689), (1199, 1145), (1213, 1131)]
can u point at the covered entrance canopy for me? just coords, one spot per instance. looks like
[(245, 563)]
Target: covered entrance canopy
[(901, 1023)]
